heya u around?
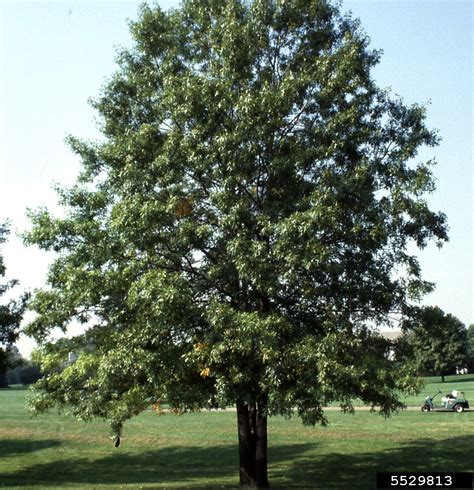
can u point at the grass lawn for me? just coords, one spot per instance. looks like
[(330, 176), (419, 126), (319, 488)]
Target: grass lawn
[(199, 451), (464, 382)]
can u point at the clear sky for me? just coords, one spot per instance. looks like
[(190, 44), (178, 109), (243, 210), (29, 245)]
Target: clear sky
[(54, 55)]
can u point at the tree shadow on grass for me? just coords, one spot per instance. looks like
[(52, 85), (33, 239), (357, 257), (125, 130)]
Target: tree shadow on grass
[(15, 447), (359, 470), (303, 466), (161, 466)]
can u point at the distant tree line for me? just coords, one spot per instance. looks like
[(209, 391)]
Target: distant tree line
[(470, 342), (437, 343), (21, 371), (11, 314), (27, 373)]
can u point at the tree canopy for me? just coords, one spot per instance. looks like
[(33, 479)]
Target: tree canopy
[(438, 342), (22, 371), (10, 316), (470, 346), (242, 225)]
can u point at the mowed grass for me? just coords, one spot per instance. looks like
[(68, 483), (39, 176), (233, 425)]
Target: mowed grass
[(463, 382), (199, 451)]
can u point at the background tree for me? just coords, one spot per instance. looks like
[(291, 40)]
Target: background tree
[(13, 360), (470, 348), (438, 342), (11, 375), (243, 223), (10, 318), (26, 373)]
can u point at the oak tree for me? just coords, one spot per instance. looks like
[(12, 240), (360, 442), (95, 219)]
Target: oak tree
[(241, 226)]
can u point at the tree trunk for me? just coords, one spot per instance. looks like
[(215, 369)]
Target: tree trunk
[(261, 473), (442, 378), (252, 429)]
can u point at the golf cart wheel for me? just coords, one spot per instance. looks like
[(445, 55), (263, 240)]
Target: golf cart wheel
[(425, 408), (459, 408)]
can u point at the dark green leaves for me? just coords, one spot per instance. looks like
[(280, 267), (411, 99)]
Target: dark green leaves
[(11, 313), (244, 223), (437, 342)]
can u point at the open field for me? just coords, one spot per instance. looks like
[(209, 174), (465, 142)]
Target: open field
[(463, 382), (459, 382), (199, 451)]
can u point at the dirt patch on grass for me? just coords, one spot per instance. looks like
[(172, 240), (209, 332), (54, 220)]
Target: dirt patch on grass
[(21, 433), (341, 434), (17, 433)]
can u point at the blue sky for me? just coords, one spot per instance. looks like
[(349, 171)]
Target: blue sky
[(54, 55)]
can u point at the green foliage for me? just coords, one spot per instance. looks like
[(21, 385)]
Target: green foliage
[(470, 346), (470, 339), (243, 223), (13, 360), (10, 317), (23, 371), (437, 342)]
